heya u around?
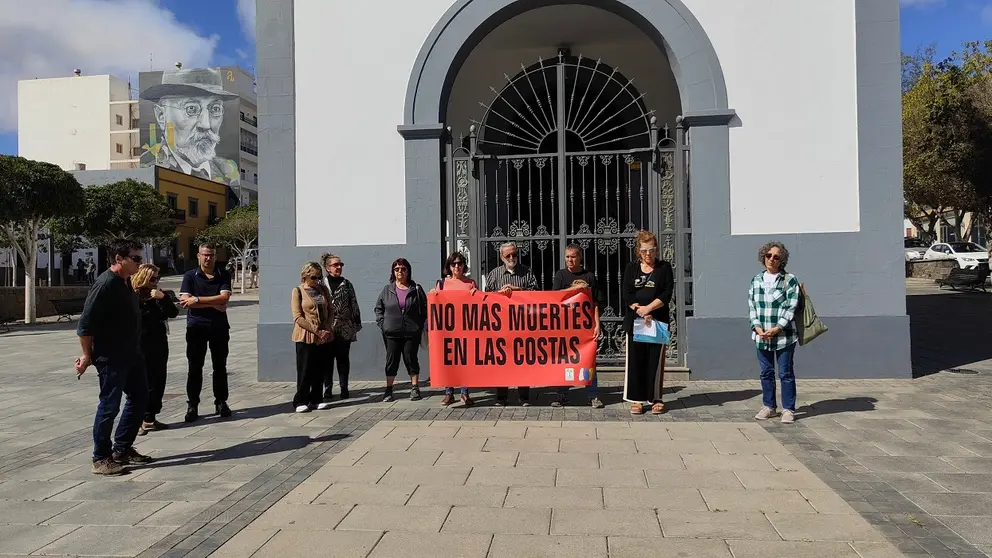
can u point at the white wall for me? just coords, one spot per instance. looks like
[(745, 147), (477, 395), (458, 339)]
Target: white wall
[(65, 121), (791, 72), (790, 69)]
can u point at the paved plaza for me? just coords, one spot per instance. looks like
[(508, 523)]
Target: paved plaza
[(871, 469)]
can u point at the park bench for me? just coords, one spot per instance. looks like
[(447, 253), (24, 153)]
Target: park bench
[(5, 322), (966, 279), (67, 307)]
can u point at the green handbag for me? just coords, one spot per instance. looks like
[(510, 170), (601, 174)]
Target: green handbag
[(808, 324)]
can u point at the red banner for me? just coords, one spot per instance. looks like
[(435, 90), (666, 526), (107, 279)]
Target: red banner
[(527, 338)]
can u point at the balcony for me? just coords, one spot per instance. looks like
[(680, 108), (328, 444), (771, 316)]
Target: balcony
[(249, 149), (249, 120), (212, 220), (178, 216)]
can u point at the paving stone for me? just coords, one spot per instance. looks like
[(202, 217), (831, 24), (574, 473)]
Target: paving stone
[(783, 480), (953, 503), (531, 546), (108, 491), (174, 513), (636, 547), (556, 460), (976, 529), (527, 445), (827, 501), (629, 522), (384, 457), (573, 433), (99, 513), (766, 501), (910, 464), (424, 431), (245, 543), (478, 459), (749, 448), (597, 446), (504, 430), (350, 494), (26, 539), (450, 444), (407, 475), (720, 480), (175, 491), (602, 478), (301, 516), (509, 476), (304, 544), (717, 525), (763, 549), (969, 464), (647, 462), (306, 492), (695, 462), (16, 512), (667, 499), (430, 545), (332, 473), (555, 497), (35, 490), (473, 496), (94, 540), (824, 527), (500, 521), (406, 519), (188, 473)]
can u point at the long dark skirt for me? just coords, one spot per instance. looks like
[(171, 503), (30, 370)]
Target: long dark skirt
[(644, 372)]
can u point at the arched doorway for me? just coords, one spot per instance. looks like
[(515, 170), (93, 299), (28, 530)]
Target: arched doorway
[(569, 151)]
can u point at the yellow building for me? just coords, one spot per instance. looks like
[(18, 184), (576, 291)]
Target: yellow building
[(196, 204)]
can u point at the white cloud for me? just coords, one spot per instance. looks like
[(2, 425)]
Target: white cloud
[(246, 14), (97, 36)]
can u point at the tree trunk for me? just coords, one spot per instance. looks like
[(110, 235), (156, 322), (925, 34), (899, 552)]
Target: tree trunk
[(30, 289)]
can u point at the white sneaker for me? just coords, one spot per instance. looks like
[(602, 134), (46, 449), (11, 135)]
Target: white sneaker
[(788, 417), (303, 409), (323, 406), (765, 413)]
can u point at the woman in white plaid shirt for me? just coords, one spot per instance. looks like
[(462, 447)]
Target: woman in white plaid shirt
[(772, 300)]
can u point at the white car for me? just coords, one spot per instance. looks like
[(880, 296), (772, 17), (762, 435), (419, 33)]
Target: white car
[(968, 254), (915, 248)]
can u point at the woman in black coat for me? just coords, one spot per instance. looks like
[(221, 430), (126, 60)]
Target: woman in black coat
[(648, 284), (156, 310), (401, 313)]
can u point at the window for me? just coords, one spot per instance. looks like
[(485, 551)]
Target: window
[(254, 176), (173, 200), (120, 120), (136, 152), (120, 148), (194, 207), (211, 211)]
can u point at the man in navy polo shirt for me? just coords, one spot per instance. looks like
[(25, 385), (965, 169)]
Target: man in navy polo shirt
[(204, 293)]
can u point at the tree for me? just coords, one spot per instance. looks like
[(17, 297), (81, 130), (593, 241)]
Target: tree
[(66, 239), (946, 137), (32, 195), (125, 210), (238, 232)]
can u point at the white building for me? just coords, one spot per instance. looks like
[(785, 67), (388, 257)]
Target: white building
[(78, 122), (717, 125)]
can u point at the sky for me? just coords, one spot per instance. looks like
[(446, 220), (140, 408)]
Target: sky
[(124, 37)]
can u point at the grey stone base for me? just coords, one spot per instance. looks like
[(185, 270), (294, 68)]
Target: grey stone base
[(277, 355), (854, 348)]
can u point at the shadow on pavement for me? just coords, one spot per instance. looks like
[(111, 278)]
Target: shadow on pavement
[(948, 331), (253, 448), (834, 406)]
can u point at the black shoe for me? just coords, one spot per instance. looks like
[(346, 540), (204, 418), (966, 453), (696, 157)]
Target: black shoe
[(129, 456), (191, 414), (560, 402), (344, 393), (223, 410), (500, 403), (525, 403), (415, 394)]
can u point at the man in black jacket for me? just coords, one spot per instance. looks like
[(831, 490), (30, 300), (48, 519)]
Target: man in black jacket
[(109, 333), (574, 277)]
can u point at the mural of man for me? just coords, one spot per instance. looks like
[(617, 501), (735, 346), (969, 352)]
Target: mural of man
[(189, 111)]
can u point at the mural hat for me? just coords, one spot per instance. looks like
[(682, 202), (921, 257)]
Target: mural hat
[(196, 82)]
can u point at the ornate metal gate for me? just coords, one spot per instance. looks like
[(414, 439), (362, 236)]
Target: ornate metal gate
[(568, 153)]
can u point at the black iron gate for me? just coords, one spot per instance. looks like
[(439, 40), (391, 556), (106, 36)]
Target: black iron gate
[(567, 153)]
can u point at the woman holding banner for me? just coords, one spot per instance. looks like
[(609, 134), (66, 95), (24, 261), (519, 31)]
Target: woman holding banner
[(453, 277), (401, 313), (648, 283)]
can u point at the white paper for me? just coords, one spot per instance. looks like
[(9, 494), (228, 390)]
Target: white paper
[(645, 327)]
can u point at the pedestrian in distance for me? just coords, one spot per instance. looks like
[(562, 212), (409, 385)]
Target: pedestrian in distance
[(109, 331), (772, 301), (313, 319), (401, 314), (156, 311), (204, 293)]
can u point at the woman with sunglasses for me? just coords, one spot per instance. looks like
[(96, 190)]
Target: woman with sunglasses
[(772, 301), (156, 310), (648, 284), (401, 314), (454, 278), (347, 324)]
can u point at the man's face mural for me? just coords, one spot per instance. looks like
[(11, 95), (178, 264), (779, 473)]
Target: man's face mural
[(195, 125)]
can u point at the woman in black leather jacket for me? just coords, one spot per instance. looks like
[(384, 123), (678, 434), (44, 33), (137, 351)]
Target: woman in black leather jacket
[(156, 309)]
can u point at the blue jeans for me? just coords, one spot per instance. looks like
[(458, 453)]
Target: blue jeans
[(119, 377), (592, 390), (767, 359), (451, 391)]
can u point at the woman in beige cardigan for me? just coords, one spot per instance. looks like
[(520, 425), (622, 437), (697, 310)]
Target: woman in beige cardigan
[(313, 317)]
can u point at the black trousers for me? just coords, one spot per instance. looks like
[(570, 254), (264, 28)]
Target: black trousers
[(405, 348), (339, 351), (503, 393), (156, 362), (311, 365), (198, 340)]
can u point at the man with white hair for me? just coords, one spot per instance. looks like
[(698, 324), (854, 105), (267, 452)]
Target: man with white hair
[(509, 277), (189, 110)]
